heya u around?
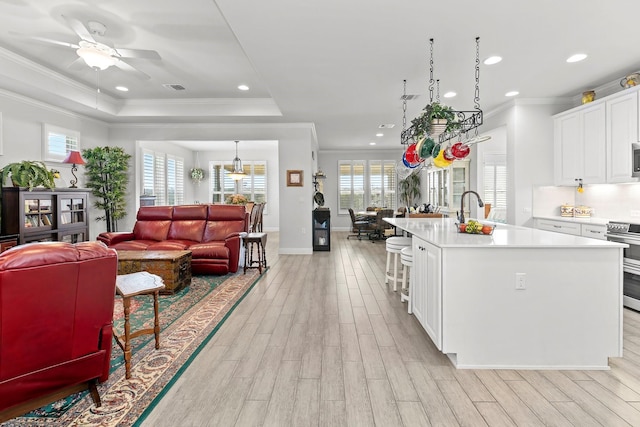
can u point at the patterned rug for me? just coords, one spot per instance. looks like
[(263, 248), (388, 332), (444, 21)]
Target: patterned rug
[(188, 320)]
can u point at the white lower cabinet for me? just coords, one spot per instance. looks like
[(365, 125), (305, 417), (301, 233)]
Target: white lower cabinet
[(427, 288), (558, 226), (594, 231)]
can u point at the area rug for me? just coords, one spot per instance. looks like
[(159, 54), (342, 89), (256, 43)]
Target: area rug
[(188, 321)]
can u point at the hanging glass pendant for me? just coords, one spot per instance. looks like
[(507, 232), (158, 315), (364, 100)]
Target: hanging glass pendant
[(238, 171)]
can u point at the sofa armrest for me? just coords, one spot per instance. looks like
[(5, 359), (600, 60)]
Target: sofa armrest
[(112, 238), (232, 241)]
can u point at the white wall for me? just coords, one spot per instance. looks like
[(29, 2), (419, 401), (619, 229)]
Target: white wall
[(529, 137)]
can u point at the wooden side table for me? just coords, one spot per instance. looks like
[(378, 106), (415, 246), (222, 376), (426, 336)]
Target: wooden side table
[(260, 240), (128, 286)]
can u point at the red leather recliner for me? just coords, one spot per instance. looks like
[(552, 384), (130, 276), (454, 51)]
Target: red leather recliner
[(56, 314)]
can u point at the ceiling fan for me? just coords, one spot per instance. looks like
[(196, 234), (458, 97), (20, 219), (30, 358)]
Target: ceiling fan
[(98, 55)]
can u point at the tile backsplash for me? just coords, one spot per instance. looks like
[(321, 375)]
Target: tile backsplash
[(610, 201)]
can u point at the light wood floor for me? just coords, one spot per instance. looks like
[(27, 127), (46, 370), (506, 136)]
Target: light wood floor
[(322, 341)]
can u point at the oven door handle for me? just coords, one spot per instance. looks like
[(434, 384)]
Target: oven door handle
[(622, 239), (631, 269)]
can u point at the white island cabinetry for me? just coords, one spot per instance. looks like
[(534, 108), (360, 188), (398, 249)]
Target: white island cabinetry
[(427, 301), (521, 298)]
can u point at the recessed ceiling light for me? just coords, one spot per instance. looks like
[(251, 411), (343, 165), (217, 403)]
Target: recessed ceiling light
[(492, 60), (386, 126), (372, 143), (512, 93), (577, 57), (243, 87), (379, 134), (449, 94), (122, 88)]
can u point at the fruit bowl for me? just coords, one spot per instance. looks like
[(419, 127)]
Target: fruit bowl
[(474, 227)]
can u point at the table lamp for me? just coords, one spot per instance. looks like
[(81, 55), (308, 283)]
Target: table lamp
[(75, 158)]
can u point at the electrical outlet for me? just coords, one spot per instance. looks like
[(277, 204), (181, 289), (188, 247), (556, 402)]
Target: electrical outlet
[(521, 281), (635, 213), (303, 230)]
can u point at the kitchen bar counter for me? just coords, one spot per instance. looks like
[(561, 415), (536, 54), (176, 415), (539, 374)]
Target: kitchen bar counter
[(442, 233), (520, 298)]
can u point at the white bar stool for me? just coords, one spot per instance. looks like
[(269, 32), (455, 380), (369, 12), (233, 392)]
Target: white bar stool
[(406, 259), (394, 245)]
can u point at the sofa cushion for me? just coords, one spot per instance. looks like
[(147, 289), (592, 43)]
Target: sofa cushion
[(184, 212), (191, 229), (155, 213), (211, 250), (219, 230), (151, 230), (133, 245), (226, 213), (170, 245)]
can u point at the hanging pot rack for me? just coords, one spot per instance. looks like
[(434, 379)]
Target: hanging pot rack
[(466, 121)]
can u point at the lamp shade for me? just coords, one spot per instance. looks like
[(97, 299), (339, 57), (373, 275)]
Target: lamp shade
[(95, 57), (74, 157)]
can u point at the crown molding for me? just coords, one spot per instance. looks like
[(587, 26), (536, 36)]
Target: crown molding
[(217, 126)]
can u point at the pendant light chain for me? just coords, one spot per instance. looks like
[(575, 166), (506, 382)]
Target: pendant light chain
[(431, 81), (476, 99), (438, 91), (404, 107)]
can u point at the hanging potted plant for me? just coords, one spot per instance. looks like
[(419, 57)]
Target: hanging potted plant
[(197, 175), (440, 118), (28, 174)]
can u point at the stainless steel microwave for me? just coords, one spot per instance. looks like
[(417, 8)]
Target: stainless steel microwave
[(635, 147)]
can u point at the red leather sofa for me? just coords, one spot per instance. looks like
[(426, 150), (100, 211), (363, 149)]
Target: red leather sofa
[(56, 311), (210, 232)]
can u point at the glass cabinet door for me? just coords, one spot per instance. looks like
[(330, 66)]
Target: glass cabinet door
[(38, 213)]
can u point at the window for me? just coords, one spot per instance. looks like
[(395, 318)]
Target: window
[(495, 181), (364, 183), (57, 142), (163, 177), (253, 187)]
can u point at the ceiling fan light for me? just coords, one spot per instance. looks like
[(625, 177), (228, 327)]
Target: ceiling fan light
[(96, 58)]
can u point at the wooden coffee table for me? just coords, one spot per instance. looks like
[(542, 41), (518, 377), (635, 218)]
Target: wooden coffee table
[(174, 267)]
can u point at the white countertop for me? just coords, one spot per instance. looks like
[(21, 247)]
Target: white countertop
[(443, 233)]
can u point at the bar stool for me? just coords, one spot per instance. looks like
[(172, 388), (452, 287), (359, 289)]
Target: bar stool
[(394, 245), (260, 240), (406, 259)]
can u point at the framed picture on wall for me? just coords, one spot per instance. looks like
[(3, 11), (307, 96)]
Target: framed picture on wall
[(294, 178)]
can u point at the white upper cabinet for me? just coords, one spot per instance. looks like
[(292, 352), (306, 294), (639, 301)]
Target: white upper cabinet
[(593, 142), (580, 146), (622, 131)]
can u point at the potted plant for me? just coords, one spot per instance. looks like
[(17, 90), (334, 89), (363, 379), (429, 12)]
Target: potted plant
[(107, 177), (28, 174), (435, 119), (410, 189)]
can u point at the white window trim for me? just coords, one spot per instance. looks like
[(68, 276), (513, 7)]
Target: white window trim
[(247, 164), (367, 183), (47, 129)]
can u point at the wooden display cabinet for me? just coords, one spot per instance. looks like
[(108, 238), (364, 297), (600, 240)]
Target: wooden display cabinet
[(45, 215)]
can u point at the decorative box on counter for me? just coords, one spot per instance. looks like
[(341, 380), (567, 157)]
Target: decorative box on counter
[(567, 210), (582, 212)]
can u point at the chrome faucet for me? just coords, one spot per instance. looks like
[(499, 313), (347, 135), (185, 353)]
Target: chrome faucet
[(480, 204)]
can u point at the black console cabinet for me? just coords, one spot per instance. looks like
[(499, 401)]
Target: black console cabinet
[(321, 229)]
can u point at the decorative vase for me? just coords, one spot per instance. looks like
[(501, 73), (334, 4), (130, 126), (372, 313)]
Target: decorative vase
[(438, 126), (588, 96)]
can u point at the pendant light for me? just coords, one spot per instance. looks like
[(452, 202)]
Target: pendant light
[(238, 172)]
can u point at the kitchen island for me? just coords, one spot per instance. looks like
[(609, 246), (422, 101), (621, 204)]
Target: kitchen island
[(520, 298)]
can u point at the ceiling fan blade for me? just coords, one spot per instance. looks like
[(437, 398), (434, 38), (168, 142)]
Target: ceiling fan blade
[(78, 64), (138, 53), (79, 28), (44, 39), (126, 67)]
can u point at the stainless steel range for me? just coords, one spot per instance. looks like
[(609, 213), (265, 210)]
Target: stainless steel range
[(629, 233)]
